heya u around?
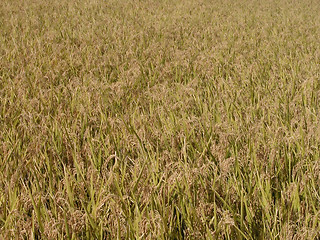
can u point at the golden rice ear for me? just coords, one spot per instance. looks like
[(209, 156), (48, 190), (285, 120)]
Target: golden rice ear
[(184, 119)]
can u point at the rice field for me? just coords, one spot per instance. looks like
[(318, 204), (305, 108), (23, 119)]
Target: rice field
[(144, 119)]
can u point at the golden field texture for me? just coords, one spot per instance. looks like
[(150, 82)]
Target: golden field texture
[(128, 119)]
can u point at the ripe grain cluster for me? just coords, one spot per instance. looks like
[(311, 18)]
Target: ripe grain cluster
[(186, 119)]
